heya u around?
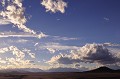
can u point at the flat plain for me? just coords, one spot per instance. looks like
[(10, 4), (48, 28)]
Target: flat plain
[(60, 75)]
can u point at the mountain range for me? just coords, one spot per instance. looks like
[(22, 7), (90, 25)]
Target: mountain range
[(25, 70)]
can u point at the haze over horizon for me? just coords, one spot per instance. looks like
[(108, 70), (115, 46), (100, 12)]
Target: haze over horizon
[(45, 34)]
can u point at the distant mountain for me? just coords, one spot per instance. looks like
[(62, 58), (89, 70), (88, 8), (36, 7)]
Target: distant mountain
[(63, 70), (21, 70), (60, 69), (103, 69), (33, 70)]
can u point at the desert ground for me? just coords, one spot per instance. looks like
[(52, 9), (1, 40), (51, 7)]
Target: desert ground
[(66, 75)]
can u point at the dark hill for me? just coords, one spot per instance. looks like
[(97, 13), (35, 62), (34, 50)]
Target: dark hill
[(103, 70)]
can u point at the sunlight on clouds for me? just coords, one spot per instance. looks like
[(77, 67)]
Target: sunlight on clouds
[(4, 21), (90, 53), (57, 46), (14, 50), (3, 2), (51, 50), (2, 61), (15, 13), (18, 62), (21, 34), (14, 63), (32, 55), (19, 59), (54, 5), (25, 50), (111, 44)]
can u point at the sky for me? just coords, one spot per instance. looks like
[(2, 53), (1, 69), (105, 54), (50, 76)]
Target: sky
[(45, 34)]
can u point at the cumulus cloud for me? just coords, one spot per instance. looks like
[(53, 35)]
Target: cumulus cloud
[(32, 55), (63, 59), (14, 13), (20, 57), (92, 53), (14, 50), (17, 62), (54, 5), (2, 61), (17, 52)]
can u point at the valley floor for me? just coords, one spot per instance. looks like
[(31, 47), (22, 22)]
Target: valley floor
[(60, 76)]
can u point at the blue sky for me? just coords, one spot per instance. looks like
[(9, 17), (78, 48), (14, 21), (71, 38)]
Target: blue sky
[(84, 19), (74, 28)]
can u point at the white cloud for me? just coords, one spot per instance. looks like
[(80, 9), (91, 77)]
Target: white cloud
[(3, 2), (92, 53), (17, 41), (18, 60), (107, 19), (14, 13), (32, 55), (4, 21), (63, 59), (54, 5), (15, 51), (111, 44), (51, 50), (63, 38), (20, 34), (2, 61), (36, 44), (56, 47), (21, 41)]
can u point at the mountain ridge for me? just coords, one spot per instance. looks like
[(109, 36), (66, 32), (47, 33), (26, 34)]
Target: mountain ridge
[(60, 69)]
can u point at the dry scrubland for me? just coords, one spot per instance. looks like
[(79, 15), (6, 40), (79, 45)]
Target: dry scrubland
[(60, 76)]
